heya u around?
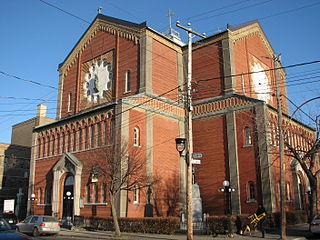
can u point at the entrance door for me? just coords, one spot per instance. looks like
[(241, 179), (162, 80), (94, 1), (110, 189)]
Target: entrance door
[(68, 197)]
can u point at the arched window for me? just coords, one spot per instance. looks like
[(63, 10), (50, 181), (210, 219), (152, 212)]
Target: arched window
[(40, 196), (63, 143), (88, 193), (48, 146), (69, 102), (92, 141), (128, 81), (43, 147), (136, 137), (47, 197), (39, 148), (99, 134), (104, 192), (86, 137), (136, 194), (53, 145), (251, 191), (74, 140), (248, 137), (58, 143), (96, 193), (80, 139), (288, 192)]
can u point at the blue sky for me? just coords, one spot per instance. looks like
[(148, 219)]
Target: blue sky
[(36, 37)]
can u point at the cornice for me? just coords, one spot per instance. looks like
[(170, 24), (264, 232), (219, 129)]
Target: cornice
[(156, 105), (99, 25), (219, 105)]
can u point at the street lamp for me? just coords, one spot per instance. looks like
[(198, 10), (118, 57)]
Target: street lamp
[(227, 190), (181, 146), (32, 198), (68, 201)]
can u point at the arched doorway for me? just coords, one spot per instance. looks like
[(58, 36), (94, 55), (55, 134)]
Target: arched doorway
[(68, 186)]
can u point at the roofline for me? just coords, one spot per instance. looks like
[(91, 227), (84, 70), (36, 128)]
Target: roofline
[(109, 19), (77, 115)]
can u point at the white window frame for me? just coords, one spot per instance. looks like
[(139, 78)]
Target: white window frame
[(247, 136), (128, 82), (136, 137), (136, 193)]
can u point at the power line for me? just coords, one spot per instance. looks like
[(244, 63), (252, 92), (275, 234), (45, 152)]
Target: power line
[(26, 80), (60, 9)]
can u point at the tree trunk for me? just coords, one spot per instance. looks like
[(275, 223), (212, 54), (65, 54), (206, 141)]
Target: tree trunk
[(313, 199), (115, 217)]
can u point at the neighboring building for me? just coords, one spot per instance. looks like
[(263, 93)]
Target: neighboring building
[(15, 162), (126, 78)]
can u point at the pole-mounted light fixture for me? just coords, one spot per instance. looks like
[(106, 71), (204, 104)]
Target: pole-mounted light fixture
[(180, 145)]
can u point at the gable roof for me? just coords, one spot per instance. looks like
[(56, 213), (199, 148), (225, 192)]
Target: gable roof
[(109, 24)]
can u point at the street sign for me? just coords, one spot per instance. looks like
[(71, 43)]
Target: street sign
[(196, 161), (197, 155)]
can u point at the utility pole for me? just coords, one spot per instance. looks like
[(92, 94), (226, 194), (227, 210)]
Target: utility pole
[(189, 129), (283, 236)]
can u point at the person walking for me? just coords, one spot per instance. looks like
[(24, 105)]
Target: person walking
[(261, 214)]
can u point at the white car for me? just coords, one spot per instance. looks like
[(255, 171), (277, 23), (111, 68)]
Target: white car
[(315, 225), (37, 225)]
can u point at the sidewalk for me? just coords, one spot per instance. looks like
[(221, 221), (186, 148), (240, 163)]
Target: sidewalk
[(297, 232)]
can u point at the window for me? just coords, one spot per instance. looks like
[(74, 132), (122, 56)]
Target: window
[(48, 146), (104, 192), (247, 134), (128, 81), (40, 196), (96, 193), (251, 191), (69, 102), (92, 136), (88, 193), (288, 197), (136, 194), (43, 147), (47, 197), (74, 142), (86, 137), (63, 142), (69, 142), (39, 148), (80, 139), (136, 137), (58, 144), (99, 134), (53, 145)]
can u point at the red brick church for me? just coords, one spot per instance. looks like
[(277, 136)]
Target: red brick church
[(127, 78)]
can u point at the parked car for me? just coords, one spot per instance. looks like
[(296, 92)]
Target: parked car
[(6, 232), (37, 225), (11, 218), (315, 225)]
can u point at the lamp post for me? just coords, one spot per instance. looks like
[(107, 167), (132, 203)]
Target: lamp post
[(181, 144), (227, 190), (32, 199), (68, 200)]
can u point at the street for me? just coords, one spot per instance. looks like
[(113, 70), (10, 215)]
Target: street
[(297, 232)]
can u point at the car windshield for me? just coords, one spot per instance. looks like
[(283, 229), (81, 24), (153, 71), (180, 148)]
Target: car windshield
[(4, 226), (49, 219)]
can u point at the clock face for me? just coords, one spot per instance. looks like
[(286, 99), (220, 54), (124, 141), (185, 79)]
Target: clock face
[(98, 80), (260, 82)]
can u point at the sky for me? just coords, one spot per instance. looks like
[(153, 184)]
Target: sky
[(37, 35)]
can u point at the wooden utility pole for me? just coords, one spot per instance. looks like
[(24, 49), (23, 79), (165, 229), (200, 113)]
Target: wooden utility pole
[(283, 236), (189, 130)]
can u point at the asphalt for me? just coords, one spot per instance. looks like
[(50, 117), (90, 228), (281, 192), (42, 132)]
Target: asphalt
[(296, 232)]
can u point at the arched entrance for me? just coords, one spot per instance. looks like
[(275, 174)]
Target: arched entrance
[(67, 212)]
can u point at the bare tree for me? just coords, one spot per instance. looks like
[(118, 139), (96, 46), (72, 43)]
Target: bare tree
[(121, 168), (307, 155)]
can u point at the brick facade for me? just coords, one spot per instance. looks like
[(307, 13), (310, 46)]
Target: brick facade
[(121, 82)]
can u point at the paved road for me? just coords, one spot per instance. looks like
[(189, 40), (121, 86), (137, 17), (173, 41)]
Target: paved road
[(297, 232)]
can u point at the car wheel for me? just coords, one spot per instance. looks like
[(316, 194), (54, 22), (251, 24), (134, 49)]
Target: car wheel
[(35, 232), (17, 229)]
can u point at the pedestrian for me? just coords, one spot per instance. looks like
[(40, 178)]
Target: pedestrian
[(261, 215)]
